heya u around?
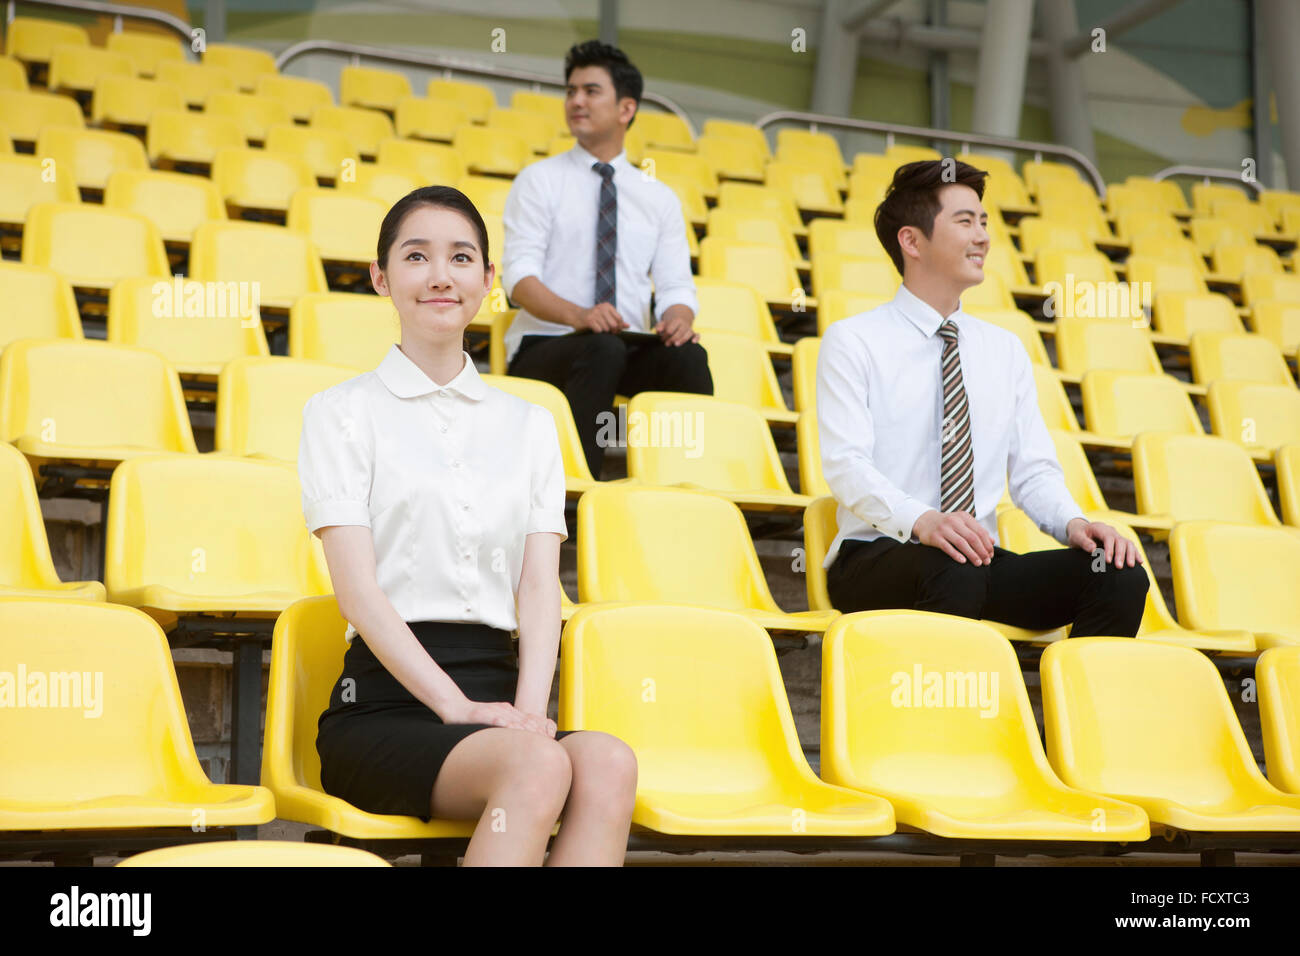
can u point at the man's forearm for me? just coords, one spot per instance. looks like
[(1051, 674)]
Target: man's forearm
[(531, 295)]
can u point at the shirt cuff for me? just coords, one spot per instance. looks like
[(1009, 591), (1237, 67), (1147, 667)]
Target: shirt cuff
[(517, 272), (684, 297), (898, 525), (547, 521), (321, 514)]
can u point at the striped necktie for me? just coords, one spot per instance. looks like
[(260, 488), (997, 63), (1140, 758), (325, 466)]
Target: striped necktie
[(957, 464), (606, 234)]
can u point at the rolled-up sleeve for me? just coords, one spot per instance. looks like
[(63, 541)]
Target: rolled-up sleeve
[(526, 221), (546, 490), (1035, 479), (335, 459), (847, 438), (671, 266)]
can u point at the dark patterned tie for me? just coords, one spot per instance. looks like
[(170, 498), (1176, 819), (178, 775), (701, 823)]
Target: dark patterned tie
[(957, 464), (606, 234)]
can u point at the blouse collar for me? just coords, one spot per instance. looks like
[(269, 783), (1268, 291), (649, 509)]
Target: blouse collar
[(405, 379)]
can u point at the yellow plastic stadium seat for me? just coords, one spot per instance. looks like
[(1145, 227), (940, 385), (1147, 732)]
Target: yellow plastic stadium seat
[(577, 475), (1037, 172), (1195, 477), (866, 190), (432, 163), (1131, 224), (342, 227), (39, 304), (992, 293), (196, 81), (487, 193), (1238, 355), (537, 129), (177, 203), (13, 75), (742, 372), (1160, 275), (1260, 418), (1053, 403), (306, 659), (364, 129), (731, 158), (284, 262), (1233, 262), (664, 130), (1279, 322), (550, 105), (838, 304), (695, 209), (1257, 287), (26, 567), (328, 152), (1121, 197), (806, 141), (808, 186), (25, 114), (133, 764), (811, 480), (1003, 184), (1153, 245), (386, 183), (33, 40), (803, 372), (145, 50), (811, 156), (498, 152), (259, 178), (244, 853), (1278, 674), (737, 309), (90, 155), (962, 762), (1022, 327), (475, 99), (1118, 405), (258, 556), (371, 88), (873, 277), (1152, 724), (1166, 192), (691, 547), (745, 132), (182, 136), (696, 441), (667, 164), (418, 117), (1070, 209), (837, 237), (1253, 219), (260, 402), (1277, 200), (1082, 485), (1019, 534), (131, 101), (754, 196), (1287, 459), (767, 269), (302, 96), (1084, 344), (1053, 264), (717, 750), (244, 62), (90, 246), (343, 328), (901, 154), (1003, 260), (1182, 314), (77, 68), (1209, 233), (24, 184), (255, 113), (194, 339)]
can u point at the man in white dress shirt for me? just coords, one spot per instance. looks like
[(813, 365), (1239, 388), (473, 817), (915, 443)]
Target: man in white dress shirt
[(588, 236), (925, 413)]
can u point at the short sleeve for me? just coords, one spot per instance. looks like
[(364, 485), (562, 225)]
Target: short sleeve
[(334, 462), (546, 508)]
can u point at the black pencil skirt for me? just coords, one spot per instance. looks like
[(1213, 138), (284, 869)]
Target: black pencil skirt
[(380, 747)]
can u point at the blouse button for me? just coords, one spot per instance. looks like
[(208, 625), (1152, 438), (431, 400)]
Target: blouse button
[(456, 464), (443, 429)]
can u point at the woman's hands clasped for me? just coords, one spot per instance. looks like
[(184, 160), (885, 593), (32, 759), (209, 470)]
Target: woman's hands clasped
[(501, 714)]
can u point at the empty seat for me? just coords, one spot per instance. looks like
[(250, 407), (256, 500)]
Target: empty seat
[(1279, 322), (837, 237), (1287, 459), (33, 40), (184, 137), (328, 152), (1256, 416), (26, 567), (1193, 477), (90, 156), (717, 751), (1053, 403), (1209, 233), (13, 76), (1022, 327), (256, 113), (421, 118), (550, 105), (433, 163), (663, 129), (77, 68), (1179, 248), (803, 373), (364, 129), (1118, 405), (1083, 344), (745, 132), (663, 163), (145, 50), (260, 402), (690, 548), (198, 329), (342, 227), (176, 203), (132, 101), (259, 179), (24, 183), (738, 310), (742, 372), (386, 183), (133, 765), (811, 480), (39, 304), (1162, 275), (1253, 219), (244, 853), (1152, 724), (301, 95), (754, 196), (1237, 355), (731, 158), (246, 63), (497, 152), (372, 88), (1278, 676), (1234, 261), (1053, 264), (343, 328), (838, 304), (284, 263), (537, 129), (475, 99), (930, 711), (196, 81), (1258, 287), (1181, 314), (1166, 192), (25, 114), (577, 475), (810, 187), (91, 246), (1086, 492), (864, 276), (696, 441)]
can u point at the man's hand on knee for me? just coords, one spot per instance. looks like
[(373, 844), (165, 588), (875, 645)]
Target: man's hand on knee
[(957, 534), (1093, 535)]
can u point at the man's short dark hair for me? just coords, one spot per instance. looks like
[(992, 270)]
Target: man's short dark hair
[(913, 199), (625, 77)]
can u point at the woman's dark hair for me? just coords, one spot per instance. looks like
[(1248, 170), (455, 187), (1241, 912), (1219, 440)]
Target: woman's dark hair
[(913, 199), (443, 197), (625, 77)]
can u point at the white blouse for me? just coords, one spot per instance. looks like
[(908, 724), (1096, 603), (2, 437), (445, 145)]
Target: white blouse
[(449, 479)]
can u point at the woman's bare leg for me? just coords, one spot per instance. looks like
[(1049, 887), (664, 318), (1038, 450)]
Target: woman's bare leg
[(598, 814), (515, 783)]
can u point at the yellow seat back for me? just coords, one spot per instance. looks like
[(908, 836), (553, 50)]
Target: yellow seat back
[(343, 328), (39, 304), (1254, 415), (1238, 355), (1120, 404), (92, 246), (177, 203), (1278, 675), (260, 402), (1195, 477)]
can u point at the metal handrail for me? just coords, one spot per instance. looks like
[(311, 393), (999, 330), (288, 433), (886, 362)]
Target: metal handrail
[(946, 135), (1207, 173), (116, 10), (449, 65)]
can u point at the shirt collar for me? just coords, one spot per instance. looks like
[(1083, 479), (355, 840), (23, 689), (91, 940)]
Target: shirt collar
[(585, 159), (405, 379), (923, 315)]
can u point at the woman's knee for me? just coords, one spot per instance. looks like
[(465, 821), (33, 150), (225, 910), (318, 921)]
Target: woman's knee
[(538, 769), (604, 762)]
